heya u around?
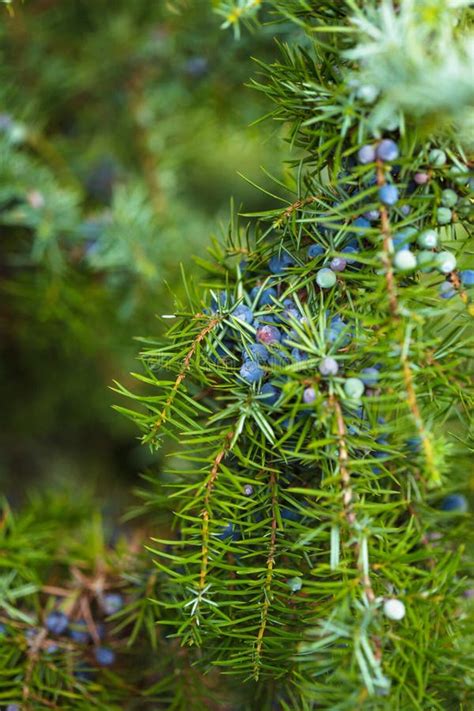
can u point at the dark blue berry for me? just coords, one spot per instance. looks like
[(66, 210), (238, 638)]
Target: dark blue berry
[(267, 296), (467, 277), (372, 215), (388, 194), (251, 371), (229, 531), (299, 355), (270, 394), (361, 223), (315, 250), (112, 603), (413, 444), (57, 622), (387, 150), (78, 632), (255, 351), (278, 264), (370, 377), (196, 67), (104, 656), (243, 313), (454, 502), (289, 514)]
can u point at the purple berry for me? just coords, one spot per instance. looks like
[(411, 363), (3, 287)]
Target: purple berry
[(309, 395), (421, 178), (387, 150), (248, 490), (251, 372), (338, 264), (366, 154), (268, 335), (78, 632), (446, 290), (388, 194)]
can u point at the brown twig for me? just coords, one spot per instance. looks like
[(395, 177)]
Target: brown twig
[(268, 579), (286, 214)]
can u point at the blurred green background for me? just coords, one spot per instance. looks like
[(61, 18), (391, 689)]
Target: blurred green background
[(122, 129)]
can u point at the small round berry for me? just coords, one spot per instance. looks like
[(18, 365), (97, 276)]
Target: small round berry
[(338, 264), (251, 372), (56, 622), (467, 277), (113, 602), (405, 210), (354, 388), (52, 648), (428, 239), (361, 223), (350, 249), (367, 93), (387, 150), (266, 297), (388, 194), (295, 584), (298, 355), (243, 313), (366, 154), (309, 395), (290, 514), (446, 290), (446, 262), (421, 178), (460, 174), (248, 489), (404, 261), (255, 351), (437, 158), (370, 376), (78, 632), (455, 502), (104, 656), (325, 278), (394, 609), (229, 531), (328, 366), (278, 264), (426, 261), (315, 250), (444, 215), (270, 394), (372, 215), (449, 198), (268, 334), (403, 237)]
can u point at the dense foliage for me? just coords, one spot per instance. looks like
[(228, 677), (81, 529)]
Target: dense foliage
[(304, 544)]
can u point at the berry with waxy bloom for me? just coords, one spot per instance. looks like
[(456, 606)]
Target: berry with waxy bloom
[(394, 609), (251, 372), (268, 334), (366, 154), (446, 262), (328, 366), (325, 278), (428, 239), (387, 150), (388, 194), (437, 158), (404, 261), (270, 394)]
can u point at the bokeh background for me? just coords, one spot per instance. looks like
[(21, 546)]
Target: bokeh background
[(123, 127)]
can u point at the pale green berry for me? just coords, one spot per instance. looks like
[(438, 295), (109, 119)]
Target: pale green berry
[(437, 158), (446, 262), (444, 215), (449, 198), (426, 261), (394, 609), (354, 388), (404, 261), (428, 239), (460, 174), (295, 584), (325, 278)]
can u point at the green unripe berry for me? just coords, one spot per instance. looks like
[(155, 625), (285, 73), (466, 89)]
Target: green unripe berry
[(325, 278), (465, 207), (460, 174), (354, 388), (444, 215), (437, 158), (446, 262), (404, 261), (449, 198), (426, 261), (428, 239), (295, 584)]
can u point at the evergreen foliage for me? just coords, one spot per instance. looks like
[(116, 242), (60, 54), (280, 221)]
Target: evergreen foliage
[(318, 386)]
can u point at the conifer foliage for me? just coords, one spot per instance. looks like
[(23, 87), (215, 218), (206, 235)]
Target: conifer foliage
[(318, 385)]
